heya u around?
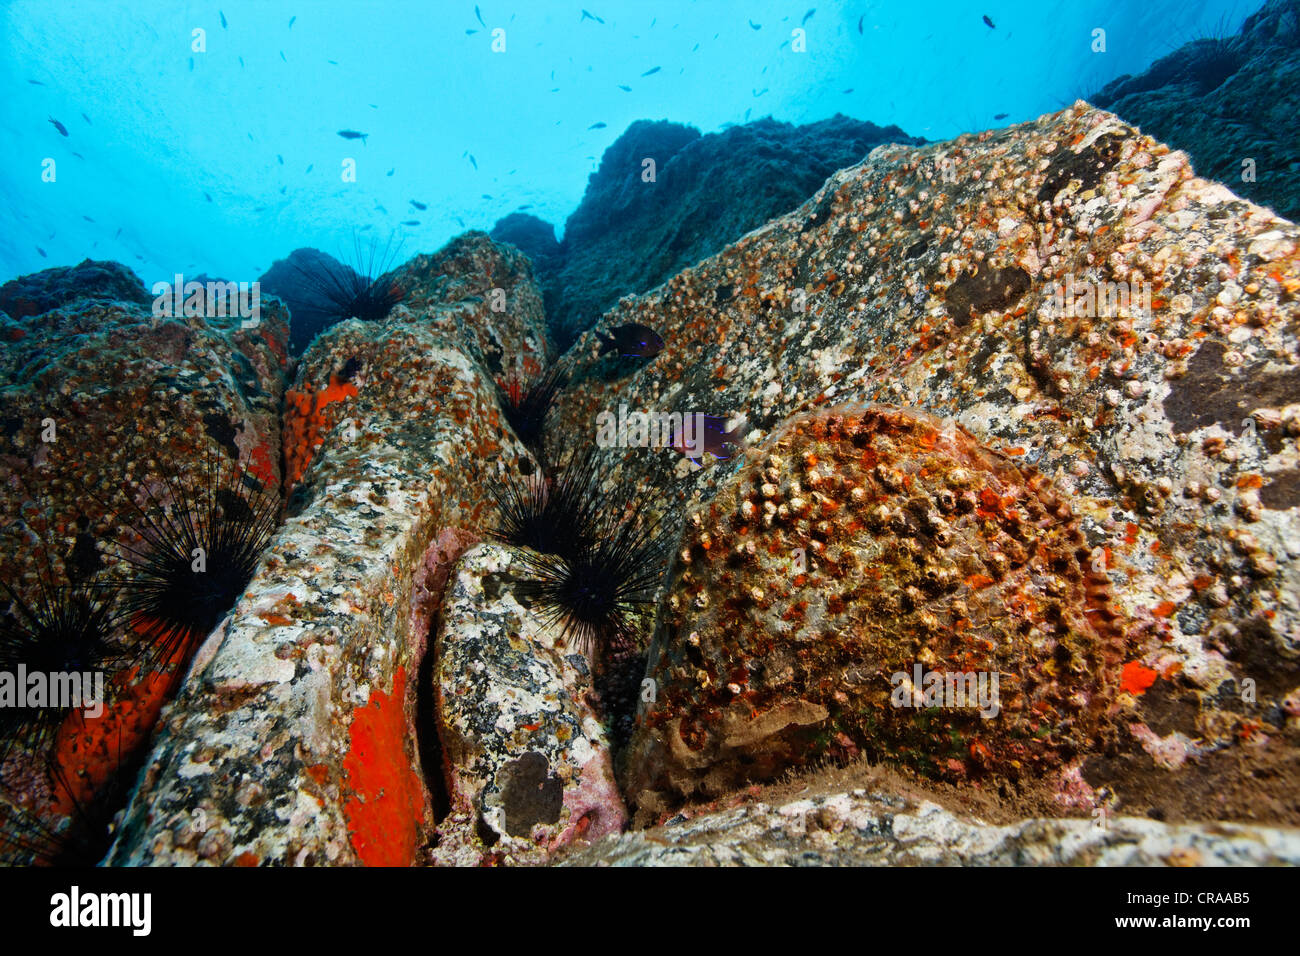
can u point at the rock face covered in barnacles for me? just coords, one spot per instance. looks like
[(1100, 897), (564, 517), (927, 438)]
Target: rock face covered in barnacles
[(1021, 405), (1075, 300)]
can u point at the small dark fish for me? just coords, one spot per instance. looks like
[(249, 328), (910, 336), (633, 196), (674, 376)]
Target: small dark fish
[(1000, 116), (653, 70), (461, 221), (849, 90), (241, 62), (381, 209), (860, 19), (747, 112), (807, 16), (694, 48), (77, 154), (526, 205), (374, 106), (87, 218), (282, 190), (487, 195), (42, 252), (35, 82), (470, 33), (309, 166), (207, 197), (714, 440), (353, 134), (755, 26), (223, 19), (479, 15), (589, 16), (118, 233), (280, 158), (410, 222), (758, 93), (419, 205), (332, 62), (250, 137), (592, 126), (473, 161), (625, 89), (632, 339), (291, 19), (59, 126), (191, 64), (989, 23), (391, 171), (282, 56)]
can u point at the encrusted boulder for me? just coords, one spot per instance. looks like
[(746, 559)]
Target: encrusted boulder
[(527, 760)]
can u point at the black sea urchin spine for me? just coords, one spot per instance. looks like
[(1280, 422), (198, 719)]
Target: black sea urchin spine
[(361, 291), (526, 408), (198, 551)]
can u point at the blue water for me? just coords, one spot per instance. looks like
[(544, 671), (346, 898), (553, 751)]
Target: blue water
[(160, 128)]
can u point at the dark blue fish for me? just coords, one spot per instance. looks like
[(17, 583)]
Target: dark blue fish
[(758, 93), (381, 209), (849, 90), (332, 62), (653, 70), (633, 339), (747, 112), (42, 252), (223, 19), (280, 158), (1001, 116), (309, 166), (989, 23), (291, 19), (694, 48), (715, 439), (410, 222), (282, 56), (59, 126), (419, 205), (470, 33), (283, 189), (118, 233), (207, 197), (35, 82), (860, 19), (241, 62), (479, 15), (592, 126), (487, 195), (755, 26), (473, 161), (191, 64), (625, 89), (589, 16), (77, 154), (87, 218), (526, 205), (807, 16), (391, 171), (461, 221), (353, 134)]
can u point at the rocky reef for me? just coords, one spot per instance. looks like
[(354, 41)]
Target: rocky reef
[(691, 195), (1230, 101), (1020, 410)]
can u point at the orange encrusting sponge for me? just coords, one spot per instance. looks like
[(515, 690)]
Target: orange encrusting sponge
[(305, 424)]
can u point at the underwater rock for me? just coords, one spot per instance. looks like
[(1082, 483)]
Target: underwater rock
[(528, 763), (104, 404), (860, 548), (1231, 102), (864, 828), (293, 740), (638, 224), (53, 288), (309, 316), (532, 236), (1071, 294)]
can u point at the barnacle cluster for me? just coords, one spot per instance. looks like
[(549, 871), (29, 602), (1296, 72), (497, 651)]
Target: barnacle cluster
[(862, 542)]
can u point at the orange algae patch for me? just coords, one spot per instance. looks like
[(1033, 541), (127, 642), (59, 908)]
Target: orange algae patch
[(305, 423), (387, 802), (1137, 677), (1164, 609)]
